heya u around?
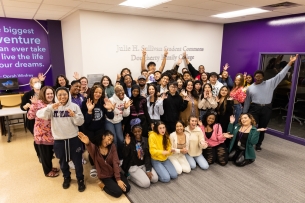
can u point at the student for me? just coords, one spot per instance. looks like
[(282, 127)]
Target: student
[(245, 135), (192, 107), (206, 101), (238, 95), (127, 84), (179, 85), (216, 85), (173, 104), (35, 83), (195, 73), (180, 145), (95, 109), (137, 161), (61, 81), (108, 87), (204, 78), (248, 80), (151, 66), (216, 150), (163, 86), (138, 110), (197, 143), (84, 89), (42, 130), (76, 96), (120, 77), (65, 118), (160, 150), (198, 87), (225, 78), (224, 110), (154, 104), (143, 85), (259, 97), (105, 157), (186, 75), (122, 109)]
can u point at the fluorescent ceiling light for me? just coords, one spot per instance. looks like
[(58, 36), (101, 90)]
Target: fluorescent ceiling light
[(244, 12), (143, 3), (288, 21)]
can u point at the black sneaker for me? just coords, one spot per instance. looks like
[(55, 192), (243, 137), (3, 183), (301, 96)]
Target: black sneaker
[(66, 183), (81, 185), (258, 148)]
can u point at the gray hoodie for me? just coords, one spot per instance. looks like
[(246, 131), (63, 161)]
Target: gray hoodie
[(62, 125)]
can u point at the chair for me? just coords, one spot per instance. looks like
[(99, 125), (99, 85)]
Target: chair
[(298, 108)]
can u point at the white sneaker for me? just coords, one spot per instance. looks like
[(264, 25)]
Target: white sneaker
[(84, 161), (71, 165)]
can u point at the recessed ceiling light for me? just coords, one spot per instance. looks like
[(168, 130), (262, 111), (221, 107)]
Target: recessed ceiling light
[(143, 3), (244, 12), (288, 21)]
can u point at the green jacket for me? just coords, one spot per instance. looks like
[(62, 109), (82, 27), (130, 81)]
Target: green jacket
[(252, 140)]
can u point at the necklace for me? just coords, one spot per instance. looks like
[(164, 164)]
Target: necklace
[(241, 135)]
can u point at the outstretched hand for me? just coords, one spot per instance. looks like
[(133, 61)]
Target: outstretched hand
[(90, 105), (261, 129), (293, 58), (41, 77), (232, 119), (83, 138), (76, 76), (226, 66), (108, 105), (227, 135)]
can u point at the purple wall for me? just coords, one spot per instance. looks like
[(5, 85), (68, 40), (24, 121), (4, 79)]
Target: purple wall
[(243, 41)]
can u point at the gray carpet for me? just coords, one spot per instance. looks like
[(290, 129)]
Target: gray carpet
[(277, 175)]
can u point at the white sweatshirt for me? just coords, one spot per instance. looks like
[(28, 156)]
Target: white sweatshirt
[(119, 111)]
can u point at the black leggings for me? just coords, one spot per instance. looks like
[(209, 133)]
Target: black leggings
[(216, 154), (93, 137), (238, 157), (112, 188), (46, 155)]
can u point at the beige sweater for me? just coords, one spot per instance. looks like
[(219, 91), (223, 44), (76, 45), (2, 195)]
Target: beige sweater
[(196, 141), (174, 140)]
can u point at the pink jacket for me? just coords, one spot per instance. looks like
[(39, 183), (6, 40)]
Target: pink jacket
[(216, 138), (42, 128)]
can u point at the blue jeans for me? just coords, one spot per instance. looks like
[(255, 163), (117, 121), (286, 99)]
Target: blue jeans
[(165, 170), (203, 164), (118, 139), (237, 111)]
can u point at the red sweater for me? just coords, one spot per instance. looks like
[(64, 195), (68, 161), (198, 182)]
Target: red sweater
[(106, 168), (216, 138)]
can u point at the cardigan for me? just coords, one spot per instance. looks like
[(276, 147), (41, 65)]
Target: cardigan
[(252, 140), (216, 138), (174, 140)]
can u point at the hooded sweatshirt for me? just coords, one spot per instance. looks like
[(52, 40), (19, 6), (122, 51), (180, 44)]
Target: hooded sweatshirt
[(195, 139), (63, 126), (119, 110)]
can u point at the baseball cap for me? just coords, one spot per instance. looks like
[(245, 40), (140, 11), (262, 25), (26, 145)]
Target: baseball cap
[(141, 77)]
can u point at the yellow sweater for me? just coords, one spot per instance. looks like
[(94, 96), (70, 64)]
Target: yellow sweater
[(156, 146)]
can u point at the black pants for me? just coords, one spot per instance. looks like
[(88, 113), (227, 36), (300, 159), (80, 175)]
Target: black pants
[(217, 154), (262, 115), (66, 150), (93, 137), (46, 155), (170, 127), (112, 188)]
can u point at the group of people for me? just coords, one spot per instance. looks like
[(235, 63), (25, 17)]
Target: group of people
[(150, 129)]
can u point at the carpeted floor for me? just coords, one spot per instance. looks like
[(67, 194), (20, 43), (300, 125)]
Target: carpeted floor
[(277, 175)]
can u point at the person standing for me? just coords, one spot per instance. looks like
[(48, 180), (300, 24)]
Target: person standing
[(259, 97)]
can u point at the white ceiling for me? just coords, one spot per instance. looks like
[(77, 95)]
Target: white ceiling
[(193, 10)]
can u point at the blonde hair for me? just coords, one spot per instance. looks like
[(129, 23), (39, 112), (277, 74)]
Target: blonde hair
[(31, 81)]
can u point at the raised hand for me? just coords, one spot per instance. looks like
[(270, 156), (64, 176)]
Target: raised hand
[(33, 99), (245, 74), (179, 62), (76, 76), (165, 52), (71, 113), (83, 138), (184, 55), (127, 104), (261, 129), (127, 139), (217, 99), (293, 58), (199, 122), (163, 96), (144, 51), (41, 77), (108, 105), (184, 93), (227, 135), (230, 98), (118, 76), (56, 105), (232, 119), (226, 66), (90, 105)]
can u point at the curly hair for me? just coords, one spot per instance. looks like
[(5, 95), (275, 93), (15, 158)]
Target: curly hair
[(91, 96), (253, 122), (165, 139), (61, 76)]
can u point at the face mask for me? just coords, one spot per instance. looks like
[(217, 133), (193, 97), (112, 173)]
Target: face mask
[(37, 85)]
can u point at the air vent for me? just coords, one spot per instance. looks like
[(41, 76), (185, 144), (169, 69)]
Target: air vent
[(282, 5)]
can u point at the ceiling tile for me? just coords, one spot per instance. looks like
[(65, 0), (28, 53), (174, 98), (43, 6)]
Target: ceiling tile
[(219, 6), (32, 1), (20, 4), (55, 8), (185, 2), (19, 9), (43, 16), (124, 9), (50, 12), (251, 3), (95, 6), (293, 10), (113, 2), (70, 3), (184, 10), (17, 14)]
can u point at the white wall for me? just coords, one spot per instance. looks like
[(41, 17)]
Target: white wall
[(101, 33)]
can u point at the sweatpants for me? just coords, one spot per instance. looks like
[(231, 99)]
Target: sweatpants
[(66, 150), (139, 177), (180, 163), (216, 154), (93, 137), (46, 155), (112, 188)]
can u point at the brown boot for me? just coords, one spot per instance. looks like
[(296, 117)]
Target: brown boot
[(101, 185)]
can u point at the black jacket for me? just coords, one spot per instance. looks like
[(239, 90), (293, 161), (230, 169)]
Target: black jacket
[(172, 106), (130, 156)]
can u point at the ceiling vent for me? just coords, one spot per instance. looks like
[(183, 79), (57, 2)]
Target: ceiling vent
[(282, 5)]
